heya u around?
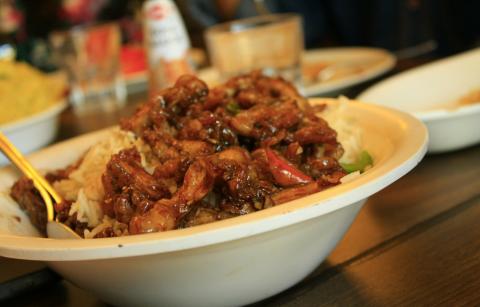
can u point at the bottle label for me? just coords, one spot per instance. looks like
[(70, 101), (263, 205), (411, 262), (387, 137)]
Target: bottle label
[(167, 43), (166, 36)]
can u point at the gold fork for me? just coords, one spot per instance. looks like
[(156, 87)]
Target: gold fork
[(55, 229)]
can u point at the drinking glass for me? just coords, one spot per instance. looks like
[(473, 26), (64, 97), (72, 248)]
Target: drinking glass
[(272, 43), (90, 55)]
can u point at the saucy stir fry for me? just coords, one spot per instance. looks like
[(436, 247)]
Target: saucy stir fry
[(249, 144)]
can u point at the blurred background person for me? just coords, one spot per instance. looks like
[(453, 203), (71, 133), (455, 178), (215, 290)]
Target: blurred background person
[(441, 26)]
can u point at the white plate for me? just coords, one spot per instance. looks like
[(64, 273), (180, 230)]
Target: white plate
[(429, 93), (33, 132), (347, 66), (344, 67), (230, 262)]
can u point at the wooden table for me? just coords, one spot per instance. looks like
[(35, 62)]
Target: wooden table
[(416, 242)]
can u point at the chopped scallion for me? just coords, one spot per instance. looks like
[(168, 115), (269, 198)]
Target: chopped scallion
[(364, 160)]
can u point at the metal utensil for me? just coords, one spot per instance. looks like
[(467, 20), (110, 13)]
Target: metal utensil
[(55, 229)]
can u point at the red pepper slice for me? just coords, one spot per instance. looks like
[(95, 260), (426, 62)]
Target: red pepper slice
[(285, 173)]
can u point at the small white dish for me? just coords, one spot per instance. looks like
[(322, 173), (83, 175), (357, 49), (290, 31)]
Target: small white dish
[(33, 132), (345, 67), (429, 92), (231, 262)]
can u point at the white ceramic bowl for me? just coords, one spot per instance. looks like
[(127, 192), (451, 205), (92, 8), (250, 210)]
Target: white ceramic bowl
[(426, 92), (230, 262), (33, 132)]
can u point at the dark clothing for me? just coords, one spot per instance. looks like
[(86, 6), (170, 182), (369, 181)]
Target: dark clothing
[(391, 24)]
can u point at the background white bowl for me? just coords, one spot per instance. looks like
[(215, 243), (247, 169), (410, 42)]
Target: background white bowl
[(426, 91), (33, 132), (230, 262)]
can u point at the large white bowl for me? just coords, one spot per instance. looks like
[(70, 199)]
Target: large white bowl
[(426, 92), (230, 262), (35, 131)]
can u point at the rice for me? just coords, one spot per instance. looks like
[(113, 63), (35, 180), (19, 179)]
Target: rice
[(84, 185), (119, 229), (348, 133)]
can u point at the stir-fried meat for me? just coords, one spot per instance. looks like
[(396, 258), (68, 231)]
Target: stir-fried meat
[(315, 130), (188, 90), (241, 147), (229, 170), (252, 89), (159, 114), (263, 86), (209, 127), (289, 194), (239, 179), (262, 121), (29, 199), (129, 188), (327, 170), (251, 111), (165, 213)]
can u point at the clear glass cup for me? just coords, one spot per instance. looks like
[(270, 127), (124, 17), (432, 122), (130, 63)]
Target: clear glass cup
[(272, 43), (90, 55)]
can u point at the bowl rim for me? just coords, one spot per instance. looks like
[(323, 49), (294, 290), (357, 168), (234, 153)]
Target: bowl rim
[(401, 161), (254, 23), (433, 114), (448, 113), (51, 111)]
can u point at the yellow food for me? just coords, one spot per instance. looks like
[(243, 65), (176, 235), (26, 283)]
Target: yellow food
[(25, 91)]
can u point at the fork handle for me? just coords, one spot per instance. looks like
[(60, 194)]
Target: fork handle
[(40, 183)]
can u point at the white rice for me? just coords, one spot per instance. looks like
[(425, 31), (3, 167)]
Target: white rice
[(84, 185), (118, 228), (348, 133)]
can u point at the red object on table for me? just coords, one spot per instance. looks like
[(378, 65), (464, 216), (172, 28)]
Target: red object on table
[(133, 60)]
